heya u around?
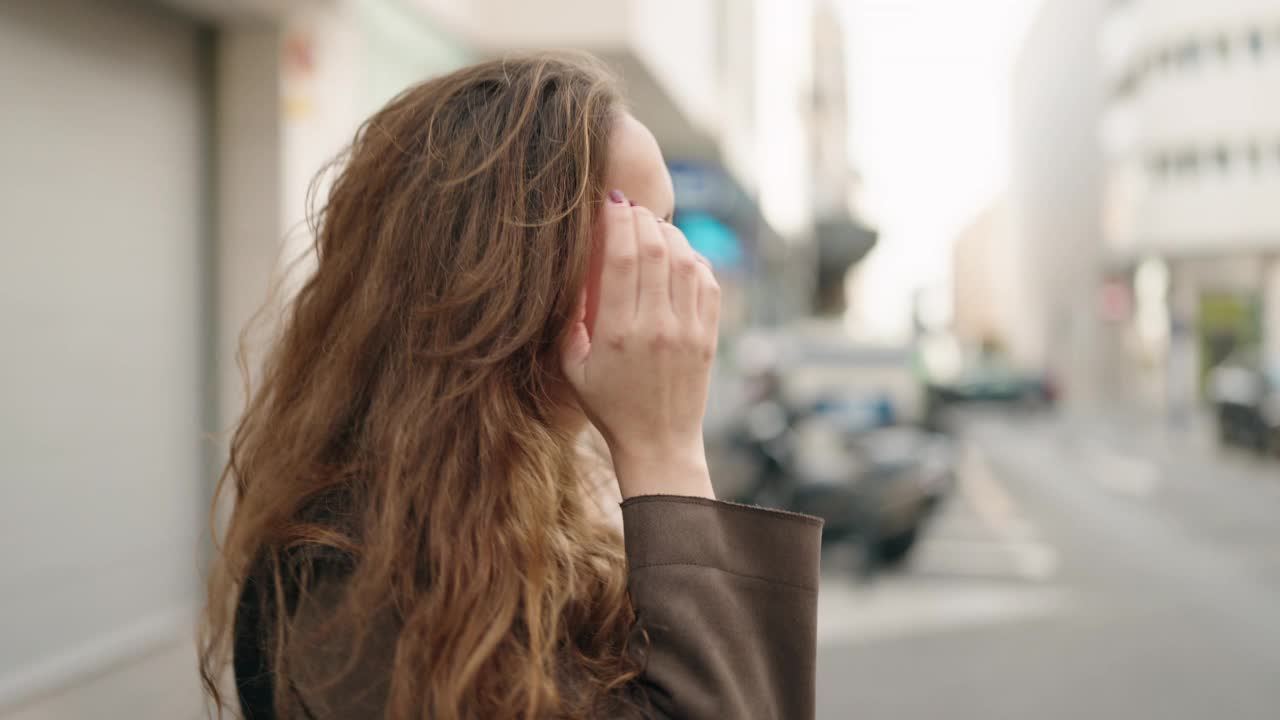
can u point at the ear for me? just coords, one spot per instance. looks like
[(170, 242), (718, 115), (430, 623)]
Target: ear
[(576, 345), (595, 270)]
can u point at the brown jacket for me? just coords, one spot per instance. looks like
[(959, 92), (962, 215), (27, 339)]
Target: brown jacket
[(727, 594)]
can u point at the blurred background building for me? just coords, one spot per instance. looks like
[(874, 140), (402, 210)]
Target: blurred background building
[(989, 287), (1191, 136), (1054, 176)]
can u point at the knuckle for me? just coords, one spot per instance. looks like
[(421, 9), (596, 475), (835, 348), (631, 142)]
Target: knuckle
[(686, 266), (615, 339), (659, 340), (654, 250), (661, 334)]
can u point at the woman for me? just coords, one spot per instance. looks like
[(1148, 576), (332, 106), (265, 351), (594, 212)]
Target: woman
[(414, 535)]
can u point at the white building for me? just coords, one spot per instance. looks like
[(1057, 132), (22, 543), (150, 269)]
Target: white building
[(1055, 179), (1192, 140)]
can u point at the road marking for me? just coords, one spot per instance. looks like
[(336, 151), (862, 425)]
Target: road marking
[(1027, 560), (1017, 536), (988, 497), (1120, 473), (849, 613)]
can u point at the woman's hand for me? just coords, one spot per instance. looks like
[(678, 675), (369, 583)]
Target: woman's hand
[(641, 372)]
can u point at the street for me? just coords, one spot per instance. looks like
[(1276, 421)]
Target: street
[(1078, 571)]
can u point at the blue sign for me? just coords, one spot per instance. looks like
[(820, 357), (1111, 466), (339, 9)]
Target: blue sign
[(716, 241)]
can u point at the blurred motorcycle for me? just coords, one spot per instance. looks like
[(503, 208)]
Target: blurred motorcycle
[(874, 483)]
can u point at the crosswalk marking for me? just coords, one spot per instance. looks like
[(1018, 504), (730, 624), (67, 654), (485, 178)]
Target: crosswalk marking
[(849, 614), (1027, 560), (981, 562)]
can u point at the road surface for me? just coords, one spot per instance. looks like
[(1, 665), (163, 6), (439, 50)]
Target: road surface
[(1076, 573)]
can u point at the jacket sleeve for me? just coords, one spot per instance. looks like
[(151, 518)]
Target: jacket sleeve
[(727, 595)]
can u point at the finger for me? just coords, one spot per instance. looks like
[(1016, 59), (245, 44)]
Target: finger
[(620, 271), (708, 300), (684, 274), (655, 266)]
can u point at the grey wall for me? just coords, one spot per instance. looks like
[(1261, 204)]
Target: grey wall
[(102, 164), (248, 160)]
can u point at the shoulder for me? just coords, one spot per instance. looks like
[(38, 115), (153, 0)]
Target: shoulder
[(257, 612)]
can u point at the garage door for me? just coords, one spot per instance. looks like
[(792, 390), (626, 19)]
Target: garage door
[(102, 199)]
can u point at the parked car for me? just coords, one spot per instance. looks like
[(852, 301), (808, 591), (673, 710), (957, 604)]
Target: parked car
[(816, 365), (827, 428), (989, 383), (874, 487), (1246, 400)]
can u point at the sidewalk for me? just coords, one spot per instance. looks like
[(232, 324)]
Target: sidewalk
[(161, 685)]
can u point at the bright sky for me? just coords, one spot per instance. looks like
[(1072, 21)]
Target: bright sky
[(929, 106)]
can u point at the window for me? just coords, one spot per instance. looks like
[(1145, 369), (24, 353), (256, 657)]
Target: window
[(1256, 44), (1223, 156), (1255, 157), (1124, 86), (1224, 47), (1188, 162), (1159, 166), (1189, 54)]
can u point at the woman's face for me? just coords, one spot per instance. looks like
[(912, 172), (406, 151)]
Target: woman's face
[(636, 167)]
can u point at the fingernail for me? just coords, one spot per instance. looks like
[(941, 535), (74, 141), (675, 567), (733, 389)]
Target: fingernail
[(618, 197)]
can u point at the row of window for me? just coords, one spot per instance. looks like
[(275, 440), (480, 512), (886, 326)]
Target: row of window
[(1255, 44), (1222, 159)]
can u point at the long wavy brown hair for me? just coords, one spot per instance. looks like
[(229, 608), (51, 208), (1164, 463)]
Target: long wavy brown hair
[(410, 415)]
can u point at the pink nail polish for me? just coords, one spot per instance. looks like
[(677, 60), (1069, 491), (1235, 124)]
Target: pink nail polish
[(618, 197)]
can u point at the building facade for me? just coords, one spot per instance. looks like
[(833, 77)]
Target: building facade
[(1055, 179), (841, 238), (989, 306), (1192, 148), (156, 160)]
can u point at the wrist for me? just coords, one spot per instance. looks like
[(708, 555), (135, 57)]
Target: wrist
[(663, 471)]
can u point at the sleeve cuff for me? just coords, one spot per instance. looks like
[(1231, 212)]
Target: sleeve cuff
[(771, 545)]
